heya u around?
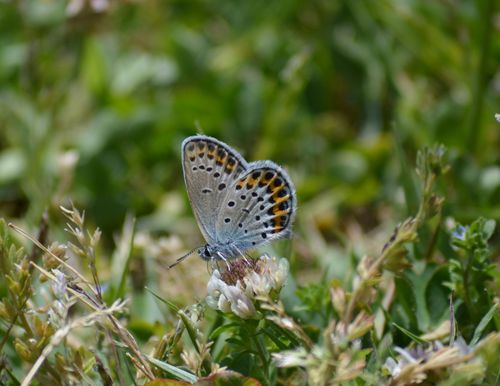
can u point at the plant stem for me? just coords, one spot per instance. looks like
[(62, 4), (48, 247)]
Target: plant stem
[(375, 267), (432, 243), (466, 284), (261, 351)]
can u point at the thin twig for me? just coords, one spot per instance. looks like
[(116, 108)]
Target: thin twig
[(62, 333), (125, 335), (43, 248), (78, 294)]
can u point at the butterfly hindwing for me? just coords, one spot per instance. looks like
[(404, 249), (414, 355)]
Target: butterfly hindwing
[(210, 168), (259, 206)]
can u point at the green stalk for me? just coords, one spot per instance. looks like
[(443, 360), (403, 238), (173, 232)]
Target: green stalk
[(467, 300), (261, 351)]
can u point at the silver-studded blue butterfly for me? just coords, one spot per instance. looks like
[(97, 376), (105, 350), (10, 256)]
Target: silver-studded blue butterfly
[(238, 205)]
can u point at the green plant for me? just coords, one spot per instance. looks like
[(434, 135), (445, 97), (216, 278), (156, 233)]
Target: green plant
[(353, 336)]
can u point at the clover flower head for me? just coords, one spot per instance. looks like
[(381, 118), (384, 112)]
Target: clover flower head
[(235, 289)]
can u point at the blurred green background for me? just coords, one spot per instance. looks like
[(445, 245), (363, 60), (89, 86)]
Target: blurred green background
[(96, 98)]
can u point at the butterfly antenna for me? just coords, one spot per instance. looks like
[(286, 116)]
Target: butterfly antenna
[(182, 258), (199, 129)]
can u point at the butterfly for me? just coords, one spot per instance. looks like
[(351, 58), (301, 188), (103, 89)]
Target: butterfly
[(238, 205)]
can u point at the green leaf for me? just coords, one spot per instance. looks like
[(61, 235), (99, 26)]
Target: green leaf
[(121, 258), (483, 324), (406, 302), (222, 329), (437, 295), (172, 370), (488, 228), (409, 334), (420, 283), (190, 327), (172, 306)]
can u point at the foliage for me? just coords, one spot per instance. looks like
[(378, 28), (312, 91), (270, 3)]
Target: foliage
[(392, 275), (253, 333)]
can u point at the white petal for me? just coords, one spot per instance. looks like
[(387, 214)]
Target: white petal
[(224, 305), (243, 308)]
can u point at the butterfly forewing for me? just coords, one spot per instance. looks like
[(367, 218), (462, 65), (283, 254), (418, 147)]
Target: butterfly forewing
[(210, 168), (259, 206)]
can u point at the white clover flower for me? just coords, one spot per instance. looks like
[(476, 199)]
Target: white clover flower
[(213, 288), (223, 304), (235, 289), (257, 283), (281, 273), (269, 274), (241, 305), (228, 298)]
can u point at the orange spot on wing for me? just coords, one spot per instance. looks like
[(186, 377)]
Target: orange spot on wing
[(277, 199), (241, 184), (221, 156), (190, 149), (277, 229), (200, 149), (211, 148), (278, 212), (251, 182), (231, 164)]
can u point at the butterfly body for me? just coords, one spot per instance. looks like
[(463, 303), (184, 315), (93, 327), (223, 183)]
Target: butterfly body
[(238, 205)]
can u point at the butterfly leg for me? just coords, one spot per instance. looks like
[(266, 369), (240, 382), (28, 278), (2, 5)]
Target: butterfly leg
[(217, 264), (225, 260), (243, 255)]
